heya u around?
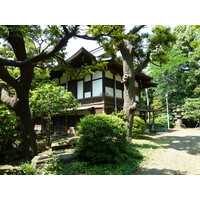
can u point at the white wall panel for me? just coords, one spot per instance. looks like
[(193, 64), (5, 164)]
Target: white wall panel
[(63, 79), (118, 78), (109, 74), (87, 94), (109, 91), (118, 93), (97, 88), (88, 78), (98, 74), (137, 98), (80, 90)]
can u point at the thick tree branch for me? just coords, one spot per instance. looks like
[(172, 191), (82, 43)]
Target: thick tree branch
[(40, 57), (5, 76), (6, 98), (136, 29), (144, 63), (86, 37), (15, 38), (155, 64)]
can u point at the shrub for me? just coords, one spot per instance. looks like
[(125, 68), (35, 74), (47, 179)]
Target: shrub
[(24, 169), (139, 126), (8, 132), (103, 138), (162, 120)]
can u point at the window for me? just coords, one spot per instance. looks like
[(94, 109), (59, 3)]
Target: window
[(108, 74), (109, 91), (98, 74), (63, 79), (137, 98), (118, 78), (88, 78), (97, 87), (118, 93), (80, 90), (87, 94)]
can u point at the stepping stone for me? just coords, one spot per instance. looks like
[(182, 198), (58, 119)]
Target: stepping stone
[(66, 157)]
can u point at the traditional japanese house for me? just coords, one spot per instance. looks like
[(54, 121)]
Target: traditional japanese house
[(101, 92)]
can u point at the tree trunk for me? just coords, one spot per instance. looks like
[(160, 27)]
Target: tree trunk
[(28, 134), (129, 95)]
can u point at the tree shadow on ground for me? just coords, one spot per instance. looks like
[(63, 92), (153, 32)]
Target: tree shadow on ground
[(189, 144), (153, 171)]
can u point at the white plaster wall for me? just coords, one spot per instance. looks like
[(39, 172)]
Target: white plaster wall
[(109, 91), (97, 88), (118, 93), (137, 98), (109, 74), (80, 90), (98, 74), (88, 78), (63, 79), (118, 78), (87, 94)]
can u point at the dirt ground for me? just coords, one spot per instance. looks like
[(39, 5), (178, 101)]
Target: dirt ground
[(181, 154)]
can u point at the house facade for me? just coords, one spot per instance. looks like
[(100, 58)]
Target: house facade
[(100, 92)]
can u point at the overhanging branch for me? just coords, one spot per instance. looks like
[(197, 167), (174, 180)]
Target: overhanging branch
[(136, 29), (40, 57), (144, 63), (5, 76)]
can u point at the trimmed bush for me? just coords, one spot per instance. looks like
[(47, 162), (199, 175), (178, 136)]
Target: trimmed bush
[(103, 138), (162, 120), (139, 126)]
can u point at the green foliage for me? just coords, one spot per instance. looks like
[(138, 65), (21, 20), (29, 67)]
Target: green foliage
[(139, 126), (121, 114), (23, 169), (139, 152), (79, 167), (180, 75), (103, 138), (8, 132), (50, 98), (159, 42), (162, 120), (117, 33), (197, 90), (192, 109)]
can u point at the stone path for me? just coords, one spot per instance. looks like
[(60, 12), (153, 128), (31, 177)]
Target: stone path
[(181, 154)]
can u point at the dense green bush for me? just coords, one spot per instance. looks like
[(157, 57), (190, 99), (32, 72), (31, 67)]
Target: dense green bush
[(139, 126), (8, 132), (23, 169), (103, 138), (162, 120)]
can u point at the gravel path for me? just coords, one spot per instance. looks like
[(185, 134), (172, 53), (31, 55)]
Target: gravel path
[(181, 154)]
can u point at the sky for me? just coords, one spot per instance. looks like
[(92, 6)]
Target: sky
[(75, 44)]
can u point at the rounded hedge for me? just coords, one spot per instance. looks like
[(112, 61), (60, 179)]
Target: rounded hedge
[(162, 120), (139, 126), (103, 138)]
